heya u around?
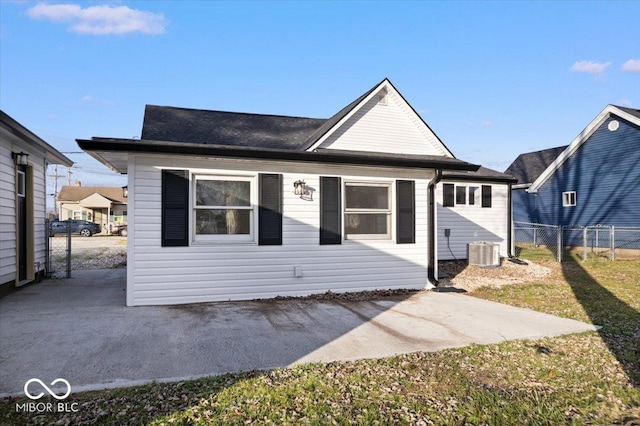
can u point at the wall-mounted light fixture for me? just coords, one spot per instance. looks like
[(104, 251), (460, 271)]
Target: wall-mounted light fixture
[(125, 191), (20, 158), (300, 188)]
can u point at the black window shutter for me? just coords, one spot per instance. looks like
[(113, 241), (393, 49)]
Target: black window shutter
[(486, 195), (330, 210), (175, 208), (447, 195), (406, 212), (270, 210)]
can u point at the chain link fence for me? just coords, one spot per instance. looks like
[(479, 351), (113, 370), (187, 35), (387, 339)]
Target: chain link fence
[(58, 251), (541, 241), (587, 242)]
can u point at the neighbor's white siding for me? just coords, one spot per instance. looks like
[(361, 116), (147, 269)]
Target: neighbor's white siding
[(386, 128), (7, 214), (10, 143), (469, 223), (214, 272)]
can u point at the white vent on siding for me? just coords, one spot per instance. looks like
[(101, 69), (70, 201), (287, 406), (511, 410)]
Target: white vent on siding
[(613, 125), (382, 97), (482, 253)]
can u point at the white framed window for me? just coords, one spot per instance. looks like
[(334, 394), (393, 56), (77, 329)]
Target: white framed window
[(461, 195), (367, 210), (472, 195), (22, 184), (569, 199), (223, 208), (78, 215)]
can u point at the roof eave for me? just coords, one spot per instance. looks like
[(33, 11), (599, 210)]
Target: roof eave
[(96, 145), (53, 155)]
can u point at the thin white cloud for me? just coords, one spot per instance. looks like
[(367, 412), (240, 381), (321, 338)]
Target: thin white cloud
[(590, 67), (101, 20), (624, 102), (486, 123), (93, 101), (632, 65)]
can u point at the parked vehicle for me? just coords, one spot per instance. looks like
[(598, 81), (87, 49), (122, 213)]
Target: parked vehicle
[(81, 227), (119, 230)]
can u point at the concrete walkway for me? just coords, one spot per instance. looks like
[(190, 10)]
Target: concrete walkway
[(79, 329)]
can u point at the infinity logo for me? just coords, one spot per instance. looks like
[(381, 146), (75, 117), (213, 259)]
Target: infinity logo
[(52, 393)]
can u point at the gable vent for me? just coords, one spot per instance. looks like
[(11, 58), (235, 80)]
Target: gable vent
[(613, 125), (382, 98)]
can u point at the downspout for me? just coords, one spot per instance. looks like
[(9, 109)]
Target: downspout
[(432, 265), (510, 227)]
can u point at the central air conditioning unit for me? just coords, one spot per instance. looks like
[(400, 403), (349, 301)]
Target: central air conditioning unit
[(483, 253)]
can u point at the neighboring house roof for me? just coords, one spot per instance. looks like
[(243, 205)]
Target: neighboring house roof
[(78, 193), (227, 128), (629, 114), (482, 174), (527, 167), (634, 112), (52, 155)]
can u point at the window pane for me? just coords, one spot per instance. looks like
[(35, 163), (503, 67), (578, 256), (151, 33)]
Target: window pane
[(21, 184), (223, 222), (447, 195), (367, 197), (472, 195), (366, 223), (461, 194), (223, 193)]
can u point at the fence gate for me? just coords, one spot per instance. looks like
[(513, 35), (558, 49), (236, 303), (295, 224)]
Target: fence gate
[(58, 251), (547, 239)]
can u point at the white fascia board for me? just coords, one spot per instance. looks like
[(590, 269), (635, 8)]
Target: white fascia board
[(521, 186), (385, 83), (579, 140)]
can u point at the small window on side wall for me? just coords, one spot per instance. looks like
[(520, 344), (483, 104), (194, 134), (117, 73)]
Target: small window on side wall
[(569, 199), (448, 195), (461, 195), (486, 196), (472, 195)]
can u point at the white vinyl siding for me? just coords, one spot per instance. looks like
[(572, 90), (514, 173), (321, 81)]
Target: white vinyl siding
[(198, 273), (393, 127), (8, 206), (7, 215), (469, 223)]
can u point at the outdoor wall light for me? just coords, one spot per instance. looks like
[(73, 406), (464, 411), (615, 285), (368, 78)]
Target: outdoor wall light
[(20, 158), (301, 189), (125, 191)]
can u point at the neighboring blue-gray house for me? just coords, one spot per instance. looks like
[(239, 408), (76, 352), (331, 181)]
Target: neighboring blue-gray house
[(595, 180)]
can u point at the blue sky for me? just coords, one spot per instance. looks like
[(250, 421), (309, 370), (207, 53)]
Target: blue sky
[(492, 79)]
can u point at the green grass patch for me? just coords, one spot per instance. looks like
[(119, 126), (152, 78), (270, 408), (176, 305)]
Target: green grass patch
[(589, 378)]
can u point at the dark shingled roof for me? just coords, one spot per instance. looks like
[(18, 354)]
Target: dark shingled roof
[(482, 173), (227, 128), (634, 112), (529, 166)]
